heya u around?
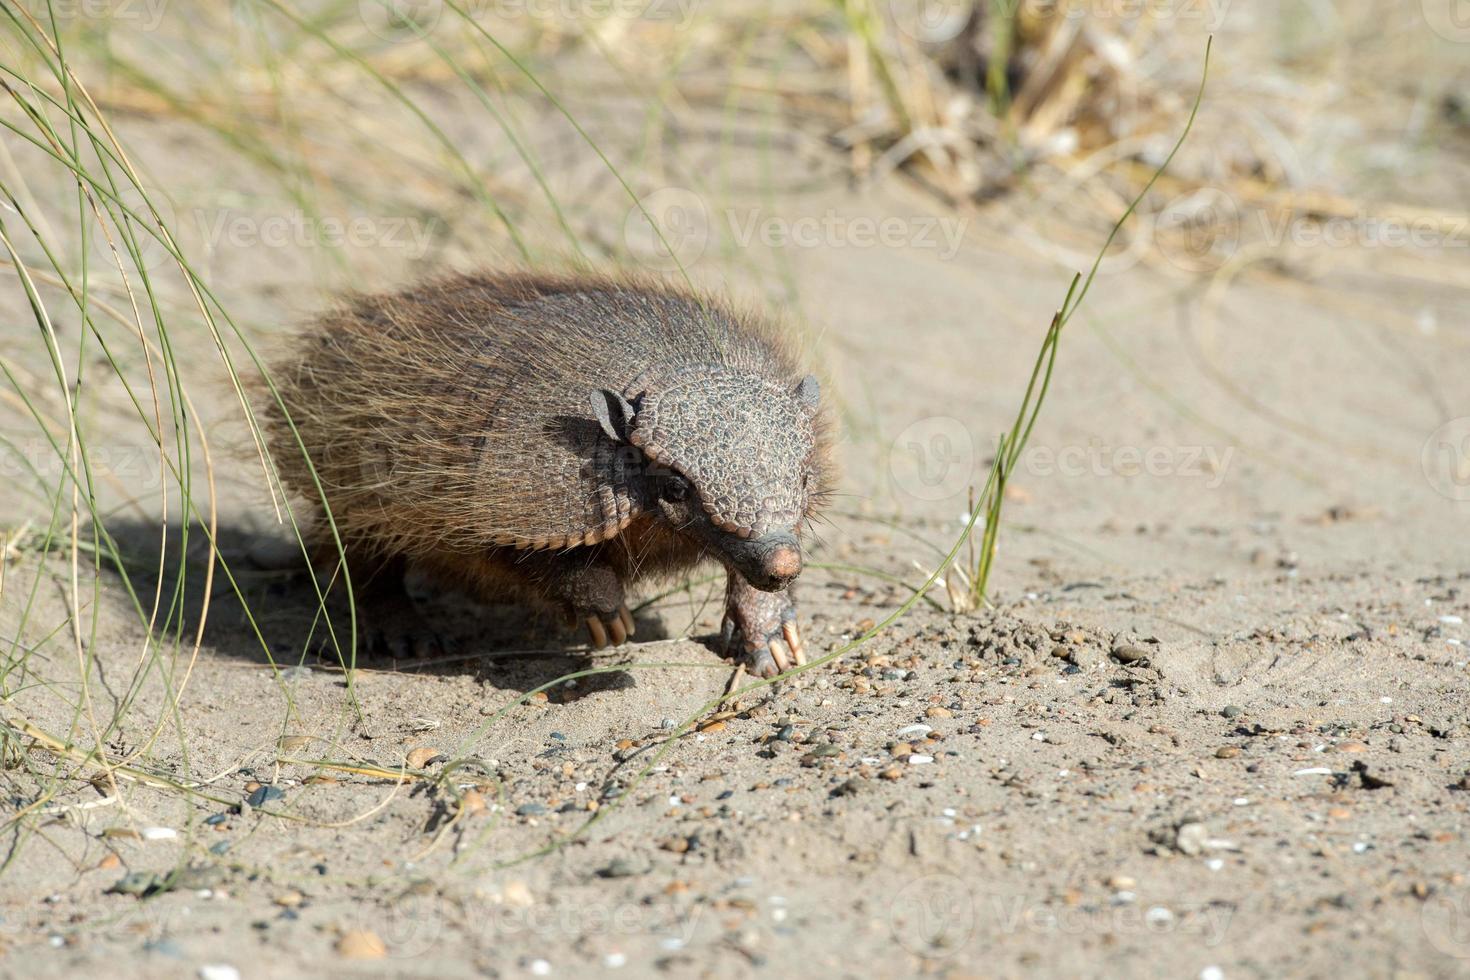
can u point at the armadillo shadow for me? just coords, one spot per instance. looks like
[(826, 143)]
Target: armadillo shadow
[(264, 608)]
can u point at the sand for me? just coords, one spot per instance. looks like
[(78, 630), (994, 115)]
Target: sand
[(1214, 724)]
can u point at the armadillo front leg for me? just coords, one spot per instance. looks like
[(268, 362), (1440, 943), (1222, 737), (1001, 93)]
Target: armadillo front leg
[(761, 628), (592, 593)]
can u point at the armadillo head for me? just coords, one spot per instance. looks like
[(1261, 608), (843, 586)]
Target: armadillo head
[(730, 459)]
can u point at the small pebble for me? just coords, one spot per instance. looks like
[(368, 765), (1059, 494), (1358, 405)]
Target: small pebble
[(530, 809), (1129, 654), (218, 971), (264, 794), (517, 894), (623, 868), (419, 758), (360, 944)]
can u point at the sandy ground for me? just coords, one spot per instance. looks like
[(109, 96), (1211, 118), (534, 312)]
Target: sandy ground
[(1215, 725)]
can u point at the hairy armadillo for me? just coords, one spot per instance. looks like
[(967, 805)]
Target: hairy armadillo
[(554, 438)]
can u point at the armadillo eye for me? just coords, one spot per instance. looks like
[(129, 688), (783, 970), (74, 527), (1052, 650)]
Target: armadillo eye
[(674, 489)]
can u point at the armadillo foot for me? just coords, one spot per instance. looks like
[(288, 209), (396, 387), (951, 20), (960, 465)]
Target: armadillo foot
[(761, 628), (614, 627), (389, 624), (402, 635)]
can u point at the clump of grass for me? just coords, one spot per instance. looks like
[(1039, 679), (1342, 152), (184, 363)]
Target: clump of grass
[(1011, 444)]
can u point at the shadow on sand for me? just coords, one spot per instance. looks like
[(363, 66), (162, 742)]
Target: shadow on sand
[(260, 578)]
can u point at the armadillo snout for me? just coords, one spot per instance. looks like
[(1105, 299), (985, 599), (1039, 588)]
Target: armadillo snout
[(769, 562), (784, 563)]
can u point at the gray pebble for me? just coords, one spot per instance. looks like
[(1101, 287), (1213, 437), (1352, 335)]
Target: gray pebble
[(1129, 654), (624, 868)]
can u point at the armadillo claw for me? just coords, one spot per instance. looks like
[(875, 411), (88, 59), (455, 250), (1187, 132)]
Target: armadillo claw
[(404, 638), (778, 654), (793, 640), (760, 628), (768, 661), (776, 657), (617, 629), (614, 627)]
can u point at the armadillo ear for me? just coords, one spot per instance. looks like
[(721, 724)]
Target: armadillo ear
[(808, 393), (613, 413)]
